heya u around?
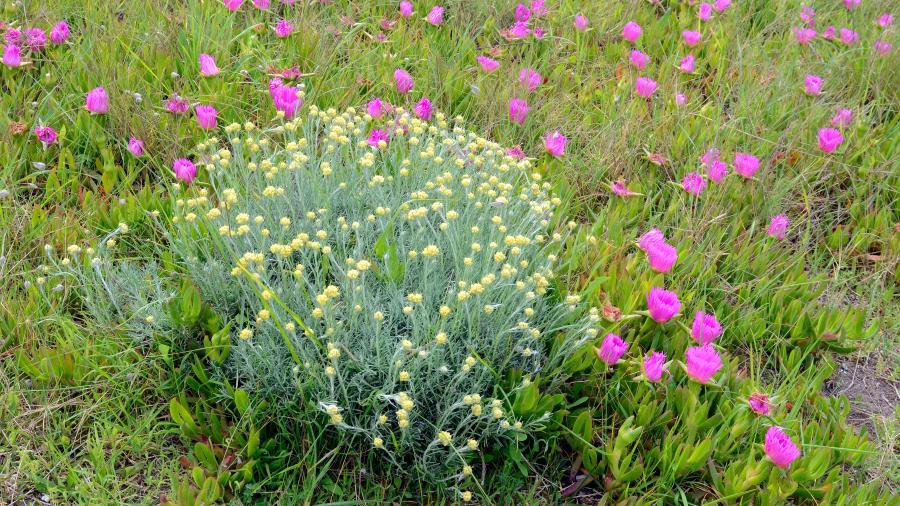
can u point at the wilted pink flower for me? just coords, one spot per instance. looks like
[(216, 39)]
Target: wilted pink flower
[(653, 366), (518, 110), (807, 14), (530, 78), (612, 349), (780, 448), (804, 35), (702, 362), (842, 118), (422, 109), (97, 101), (375, 108), (406, 9), (516, 152), (828, 34), (403, 80), (519, 30), (883, 47), (184, 170), (206, 116), (885, 20), (851, 4), (638, 59), (35, 39), (12, 55), (745, 164), (631, 32), (704, 12), (376, 136), (136, 146), (778, 226), (262, 4), (581, 23), (45, 134), (721, 5), (687, 64), (691, 38), (848, 36), (644, 87), (662, 304), (759, 403), (177, 105), (680, 99), (233, 5), (521, 14), (662, 256), (706, 328), (555, 143), (283, 28), (829, 139), (487, 63), (693, 183), (208, 65), (620, 189), (286, 100), (813, 84), (435, 15), (59, 33)]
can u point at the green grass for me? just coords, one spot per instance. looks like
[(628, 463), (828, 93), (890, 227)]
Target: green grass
[(85, 415)]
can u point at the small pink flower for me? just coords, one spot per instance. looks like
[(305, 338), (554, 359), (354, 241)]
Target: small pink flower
[(233, 5), (638, 59), (778, 226), (35, 39), (422, 109), (375, 108), (206, 116), (285, 100), (745, 164), (706, 328), (842, 118), (807, 14), (519, 30), (631, 32), (521, 14), (620, 189), (435, 15), (829, 139), (804, 35), (487, 63), (848, 36), (717, 170), (537, 8), (702, 362), (662, 304), (721, 5), (262, 4), (680, 99), (97, 101), (13, 36), (883, 47), (662, 256), (376, 137), (136, 147), (12, 55), (813, 85), (530, 78), (518, 110), (406, 9), (886, 20), (852, 4), (644, 87), (780, 448), (653, 366), (283, 28), (704, 12), (208, 65), (691, 38), (612, 349), (59, 33), (45, 134), (828, 34), (759, 403), (403, 80), (555, 143), (687, 64), (184, 170), (581, 23), (650, 237), (711, 155), (177, 105), (538, 32), (516, 152), (693, 183)]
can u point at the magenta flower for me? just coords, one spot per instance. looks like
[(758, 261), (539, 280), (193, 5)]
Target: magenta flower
[(521, 14), (555, 143), (406, 9), (780, 448), (206, 116), (883, 47), (638, 59), (759, 403), (612, 349), (12, 55), (807, 14), (177, 105), (691, 38), (45, 134), (842, 118), (704, 12), (662, 304), (829, 139), (518, 110), (631, 32), (885, 20), (519, 30), (702, 362), (653, 366), (13, 36), (581, 23), (530, 78), (848, 36), (184, 170), (693, 183), (621, 189), (717, 170), (706, 328), (403, 80), (35, 39), (745, 164), (813, 85), (208, 65), (852, 4), (285, 100), (516, 152), (376, 137), (375, 108), (650, 237), (778, 226), (537, 8), (262, 4), (680, 99), (487, 64), (662, 256), (283, 28), (644, 87), (97, 101), (435, 15), (687, 64), (233, 5), (136, 147), (422, 109), (828, 34), (59, 33), (804, 35), (721, 5)]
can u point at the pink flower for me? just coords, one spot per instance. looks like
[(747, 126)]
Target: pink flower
[(538, 32), (406, 9), (842, 118), (638, 59), (136, 147), (691, 38), (521, 14), (705, 328), (45, 134), (487, 64), (518, 110), (375, 108), (759, 403), (516, 152), (704, 12), (848, 36), (687, 64), (662, 256), (530, 78), (804, 35), (233, 5), (184, 170), (620, 189), (422, 109), (813, 85), (59, 33), (283, 28), (537, 8), (631, 32), (35, 39), (828, 34), (644, 87), (702, 362), (778, 226), (829, 139), (96, 101), (717, 170), (650, 237), (745, 164), (693, 183), (435, 15), (612, 349), (177, 105), (13, 36), (581, 23), (403, 80), (883, 47), (680, 99), (262, 4), (886, 20), (555, 143), (711, 155), (286, 100), (206, 116), (519, 30), (851, 4), (721, 5), (208, 65), (780, 448), (376, 137), (807, 14), (653, 366), (662, 304), (12, 55)]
